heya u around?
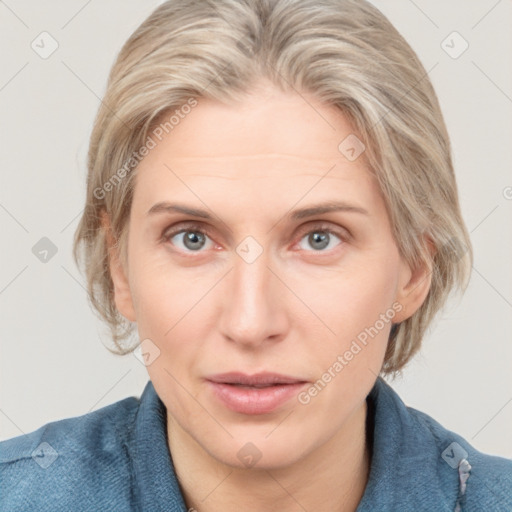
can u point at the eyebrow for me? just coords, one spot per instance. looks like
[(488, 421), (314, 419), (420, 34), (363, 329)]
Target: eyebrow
[(302, 213)]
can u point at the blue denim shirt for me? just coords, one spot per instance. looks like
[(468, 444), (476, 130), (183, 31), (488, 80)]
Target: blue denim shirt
[(117, 459)]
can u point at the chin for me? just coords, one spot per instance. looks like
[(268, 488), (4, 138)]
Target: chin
[(257, 452)]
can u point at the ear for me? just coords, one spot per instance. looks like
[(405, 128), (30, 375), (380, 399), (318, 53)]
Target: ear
[(122, 293), (413, 287)]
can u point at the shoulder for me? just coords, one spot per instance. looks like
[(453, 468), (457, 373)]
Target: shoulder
[(76, 463), (487, 478), (418, 464)]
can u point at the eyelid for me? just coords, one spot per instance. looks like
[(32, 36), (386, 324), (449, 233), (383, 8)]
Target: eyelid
[(327, 226), (180, 227)]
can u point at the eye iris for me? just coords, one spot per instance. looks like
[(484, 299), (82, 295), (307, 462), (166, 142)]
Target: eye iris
[(193, 237), (320, 237)]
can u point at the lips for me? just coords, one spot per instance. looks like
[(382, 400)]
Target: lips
[(263, 379), (260, 393)]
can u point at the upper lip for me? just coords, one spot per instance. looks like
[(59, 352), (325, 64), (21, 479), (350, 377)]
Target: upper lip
[(257, 379)]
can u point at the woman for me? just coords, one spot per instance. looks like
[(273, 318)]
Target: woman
[(272, 206)]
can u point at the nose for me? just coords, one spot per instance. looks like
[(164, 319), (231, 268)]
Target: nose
[(254, 308)]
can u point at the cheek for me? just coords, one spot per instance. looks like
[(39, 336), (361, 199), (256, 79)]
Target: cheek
[(174, 308), (172, 315), (351, 297), (355, 307), (359, 311), (158, 289), (161, 300)]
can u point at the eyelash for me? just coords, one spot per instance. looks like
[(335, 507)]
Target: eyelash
[(197, 228)]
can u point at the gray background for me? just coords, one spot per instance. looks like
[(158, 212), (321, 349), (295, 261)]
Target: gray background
[(52, 361)]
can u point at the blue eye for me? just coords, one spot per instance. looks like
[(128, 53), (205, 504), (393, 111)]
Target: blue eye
[(191, 239), (319, 239), (195, 238)]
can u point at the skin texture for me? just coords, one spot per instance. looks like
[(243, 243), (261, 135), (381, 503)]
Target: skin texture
[(293, 310)]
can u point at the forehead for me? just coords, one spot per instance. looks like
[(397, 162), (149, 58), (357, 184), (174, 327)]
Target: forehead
[(270, 141)]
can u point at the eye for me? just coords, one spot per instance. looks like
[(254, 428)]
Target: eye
[(321, 239), (191, 239), (194, 238)]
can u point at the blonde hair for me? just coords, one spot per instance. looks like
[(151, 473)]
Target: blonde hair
[(346, 53)]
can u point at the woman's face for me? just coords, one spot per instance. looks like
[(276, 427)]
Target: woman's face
[(258, 282)]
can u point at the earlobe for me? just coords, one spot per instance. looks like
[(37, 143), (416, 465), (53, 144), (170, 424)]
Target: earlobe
[(122, 292)]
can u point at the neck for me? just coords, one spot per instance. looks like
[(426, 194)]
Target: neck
[(331, 478)]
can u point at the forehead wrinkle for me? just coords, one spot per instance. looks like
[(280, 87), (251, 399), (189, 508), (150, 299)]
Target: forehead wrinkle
[(238, 174), (254, 156), (325, 163), (266, 176)]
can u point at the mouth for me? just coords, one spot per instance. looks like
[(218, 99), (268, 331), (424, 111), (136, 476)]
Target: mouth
[(252, 386), (263, 379), (261, 393)]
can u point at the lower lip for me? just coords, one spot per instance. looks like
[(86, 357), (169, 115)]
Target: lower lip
[(250, 400)]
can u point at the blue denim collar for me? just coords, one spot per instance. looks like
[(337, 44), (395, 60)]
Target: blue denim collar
[(156, 486), (407, 471)]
